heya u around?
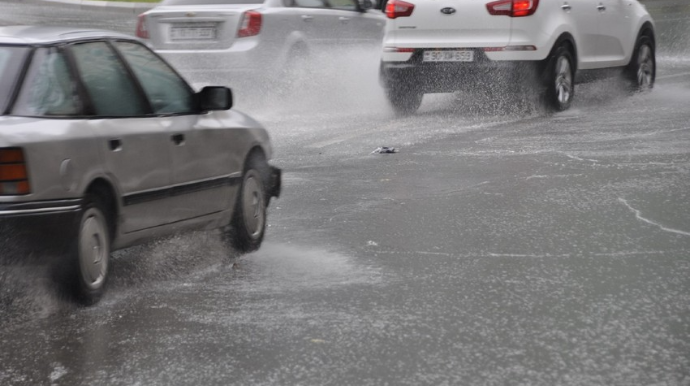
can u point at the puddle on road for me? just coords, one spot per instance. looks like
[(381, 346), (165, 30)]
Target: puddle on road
[(283, 268)]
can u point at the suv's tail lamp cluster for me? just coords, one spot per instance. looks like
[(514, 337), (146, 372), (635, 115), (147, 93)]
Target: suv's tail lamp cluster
[(142, 32), (398, 8), (250, 25), (513, 8), (14, 178)]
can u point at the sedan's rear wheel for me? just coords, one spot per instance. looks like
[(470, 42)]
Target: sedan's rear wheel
[(86, 273), (559, 79)]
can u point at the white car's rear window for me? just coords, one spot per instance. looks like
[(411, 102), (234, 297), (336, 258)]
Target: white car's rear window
[(202, 2), (11, 58)]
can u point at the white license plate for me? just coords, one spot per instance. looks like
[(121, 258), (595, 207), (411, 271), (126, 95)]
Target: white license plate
[(193, 33), (448, 56)]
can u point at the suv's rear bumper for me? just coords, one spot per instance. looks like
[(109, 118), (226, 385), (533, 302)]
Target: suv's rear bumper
[(29, 227), (433, 77)]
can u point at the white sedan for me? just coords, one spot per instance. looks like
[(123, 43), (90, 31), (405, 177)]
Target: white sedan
[(245, 37)]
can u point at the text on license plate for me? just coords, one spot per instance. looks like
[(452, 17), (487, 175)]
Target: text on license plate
[(448, 56), (193, 33)]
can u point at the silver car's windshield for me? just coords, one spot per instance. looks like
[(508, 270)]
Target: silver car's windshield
[(11, 58), (200, 2)]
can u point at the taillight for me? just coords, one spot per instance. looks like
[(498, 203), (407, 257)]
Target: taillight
[(142, 32), (14, 179), (398, 8), (251, 24), (513, 8)]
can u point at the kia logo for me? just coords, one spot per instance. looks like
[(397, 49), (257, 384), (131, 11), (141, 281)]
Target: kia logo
[(448, 11)]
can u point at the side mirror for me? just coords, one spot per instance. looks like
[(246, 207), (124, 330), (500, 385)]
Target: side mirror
[(213, 98)]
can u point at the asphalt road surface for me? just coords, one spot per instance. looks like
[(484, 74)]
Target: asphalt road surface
[(498, 246)]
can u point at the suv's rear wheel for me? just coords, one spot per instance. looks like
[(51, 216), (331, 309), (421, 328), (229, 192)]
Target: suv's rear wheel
[(404, 100), (559, 79), (641, 72)]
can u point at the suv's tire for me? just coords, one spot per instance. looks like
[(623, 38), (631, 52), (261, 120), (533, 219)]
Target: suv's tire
[(404, 100), (559, 79), (85, 275), (248, 225), (641, 72)]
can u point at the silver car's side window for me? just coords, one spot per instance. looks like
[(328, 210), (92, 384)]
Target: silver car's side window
[(48, 89), (166, 91), (112, 91)]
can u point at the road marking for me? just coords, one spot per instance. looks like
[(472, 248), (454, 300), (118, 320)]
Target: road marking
[(638, 215)]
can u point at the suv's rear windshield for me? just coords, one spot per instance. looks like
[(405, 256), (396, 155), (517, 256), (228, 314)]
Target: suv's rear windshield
[(11, 58), (202, 2)]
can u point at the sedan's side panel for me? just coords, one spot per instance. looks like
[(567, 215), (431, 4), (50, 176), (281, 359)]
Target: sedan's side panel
[(136, 154)]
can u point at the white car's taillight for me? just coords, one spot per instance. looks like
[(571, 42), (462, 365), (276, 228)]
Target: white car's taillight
[(251, 24), (398, 8), (14, 177), (513, 8), (142, 32)]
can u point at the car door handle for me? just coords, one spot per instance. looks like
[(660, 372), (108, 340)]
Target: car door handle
[(566, 7), (601, 7), (307, 17), (115, 145), (178, 139)]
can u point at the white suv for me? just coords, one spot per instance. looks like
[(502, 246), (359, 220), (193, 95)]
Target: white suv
[(433, 46)]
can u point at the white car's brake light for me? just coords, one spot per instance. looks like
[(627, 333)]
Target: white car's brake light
[(251, 24), (142, 32), (398, 8), (14, 178), (513, 8)]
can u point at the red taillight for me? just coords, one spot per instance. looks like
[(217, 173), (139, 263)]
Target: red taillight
[(251, 24), (513, 8), (142, 32), (14, 178), (398, 8)]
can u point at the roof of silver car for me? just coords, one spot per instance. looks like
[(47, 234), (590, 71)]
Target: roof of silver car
[(22, 34)]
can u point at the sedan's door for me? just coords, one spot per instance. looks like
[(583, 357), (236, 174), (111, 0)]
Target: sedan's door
[(134, 145), (355, 27), (205, 173), (313, 20)]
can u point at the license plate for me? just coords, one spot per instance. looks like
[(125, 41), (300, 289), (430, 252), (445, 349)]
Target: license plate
[(193, 33), (448, 56)]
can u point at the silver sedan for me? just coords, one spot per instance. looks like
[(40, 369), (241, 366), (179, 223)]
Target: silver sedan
[(103, 146)]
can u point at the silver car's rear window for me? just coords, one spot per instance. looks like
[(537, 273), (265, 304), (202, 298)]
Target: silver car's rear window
[(11, 59), (203, 2)]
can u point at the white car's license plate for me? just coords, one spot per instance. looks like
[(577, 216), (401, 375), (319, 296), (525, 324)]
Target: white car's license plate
[(449, 56), (193, 32)]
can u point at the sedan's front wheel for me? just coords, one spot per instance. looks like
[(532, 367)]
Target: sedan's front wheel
[(248, 223), (641, 71)]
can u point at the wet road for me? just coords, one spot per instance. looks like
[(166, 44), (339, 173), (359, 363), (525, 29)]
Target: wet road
[(494, 249)]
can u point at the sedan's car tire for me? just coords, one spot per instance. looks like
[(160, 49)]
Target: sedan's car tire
[(85, 275), (248, 224), (559, 79), (404, 100), (641, 72)]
